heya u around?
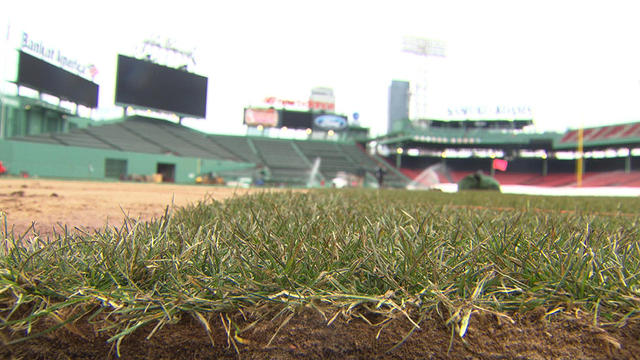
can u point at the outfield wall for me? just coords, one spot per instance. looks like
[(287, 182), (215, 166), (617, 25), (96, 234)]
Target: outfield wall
[(54, 161)]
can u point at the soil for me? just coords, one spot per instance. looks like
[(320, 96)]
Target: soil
[(308, 333), (45, 206)]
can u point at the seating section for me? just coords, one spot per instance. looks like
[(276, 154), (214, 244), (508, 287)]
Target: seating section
[(351, 158), (612, 178), (552, 180), (239, 146), (200, 141), (286, 163), (81, 138), (289, 176), (158, 135), (632, 181), (603, 133), (515, 178), (410, 173), (280, 154), (332, 159), (123, 139)]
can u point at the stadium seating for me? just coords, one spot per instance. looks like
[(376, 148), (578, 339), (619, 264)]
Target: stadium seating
[(552, 180), (80, 138), (410, 173), (280, 154), (153, 132), (199, 140), (289, 176), (239, 146), (612, 178), (286, 163), (603, 133), (631, 180), (332, 160), (123, 139), (393, 176)]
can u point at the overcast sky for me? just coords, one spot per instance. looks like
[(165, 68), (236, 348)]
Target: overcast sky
[(573, 62)]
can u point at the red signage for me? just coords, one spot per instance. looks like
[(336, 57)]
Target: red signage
[(320, 105), (307, 104), (263, 117)]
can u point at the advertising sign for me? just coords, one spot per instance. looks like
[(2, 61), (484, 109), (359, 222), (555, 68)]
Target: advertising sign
[(299, 104), (321, 105), (491, 112), (44, 51), (330, 122), (263, 117)]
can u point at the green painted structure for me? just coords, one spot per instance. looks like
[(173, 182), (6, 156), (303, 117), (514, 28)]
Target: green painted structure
[(20, 116), (46, 160), (405, 131)]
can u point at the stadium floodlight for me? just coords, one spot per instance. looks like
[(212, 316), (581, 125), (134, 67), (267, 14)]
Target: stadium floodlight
[(154, 48), (423, 47)]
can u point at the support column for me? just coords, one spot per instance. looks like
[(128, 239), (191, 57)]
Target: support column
[(627, 163)]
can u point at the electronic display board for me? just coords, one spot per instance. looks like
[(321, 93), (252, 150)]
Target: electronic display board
[(145, 84), (48, 78)]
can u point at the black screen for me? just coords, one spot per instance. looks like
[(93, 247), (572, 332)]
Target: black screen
[(150, 85), (42, 76), (296, 119)]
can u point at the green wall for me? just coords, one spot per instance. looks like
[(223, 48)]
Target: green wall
[(45, 160), (20, 116)]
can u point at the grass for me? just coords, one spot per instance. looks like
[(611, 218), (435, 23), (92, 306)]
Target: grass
[(390, 252)]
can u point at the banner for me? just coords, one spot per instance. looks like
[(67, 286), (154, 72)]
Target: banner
[(263, 117), (500, 164)]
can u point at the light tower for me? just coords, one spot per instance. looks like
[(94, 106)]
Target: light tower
[(166, 52), (422, 49)]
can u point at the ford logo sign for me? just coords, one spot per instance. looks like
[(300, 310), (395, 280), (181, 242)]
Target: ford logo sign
[(330, 122)]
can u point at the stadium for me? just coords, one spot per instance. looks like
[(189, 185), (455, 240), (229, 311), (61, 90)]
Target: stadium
[(40, 138), (303, 269)]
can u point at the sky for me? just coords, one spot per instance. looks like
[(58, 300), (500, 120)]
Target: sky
[(574, 63)]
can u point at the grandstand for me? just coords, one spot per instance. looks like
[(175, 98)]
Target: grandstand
[(611, 154), (148, 146), (139, 139), (603, 136)]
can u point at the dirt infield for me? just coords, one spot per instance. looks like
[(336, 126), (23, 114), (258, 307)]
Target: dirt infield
[(50, 204)]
